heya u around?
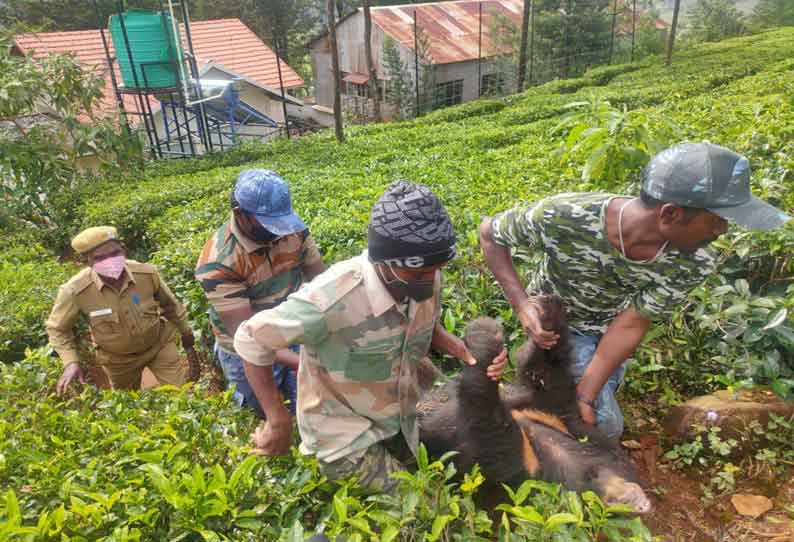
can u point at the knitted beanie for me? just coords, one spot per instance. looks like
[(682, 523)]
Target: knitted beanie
[(409, 227)]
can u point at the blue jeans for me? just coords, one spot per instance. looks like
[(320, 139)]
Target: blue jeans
[(608, 413), (232, 366)]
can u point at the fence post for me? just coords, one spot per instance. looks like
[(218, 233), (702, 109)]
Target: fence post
[(283, 94), (416, 63), (671, 37), (479, 54), (633, 26), (531, 41), (522, 54), (614, 22)]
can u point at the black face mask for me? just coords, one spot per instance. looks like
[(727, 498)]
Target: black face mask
[(261, 235), (256, 232), (418, 290)]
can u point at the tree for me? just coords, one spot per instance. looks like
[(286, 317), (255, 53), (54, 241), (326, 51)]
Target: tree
[(400, 84), (504, 58), (614, 143), (283, 24), (340, 135), (427, 73), (768, 13), (714, 20), (62, 15), (374, 91), (570, 37), (47, 124), (522, 55)]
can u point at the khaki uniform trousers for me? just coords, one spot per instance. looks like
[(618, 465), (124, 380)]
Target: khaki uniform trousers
[(125, 370)]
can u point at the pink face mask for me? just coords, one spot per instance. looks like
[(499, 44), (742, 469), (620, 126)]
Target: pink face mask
[(111, 267)]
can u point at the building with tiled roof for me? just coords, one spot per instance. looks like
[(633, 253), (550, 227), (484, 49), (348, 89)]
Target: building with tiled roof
[(455, 40), (225, 42)]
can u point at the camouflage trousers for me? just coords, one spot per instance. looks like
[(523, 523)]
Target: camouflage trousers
[(374, 466)]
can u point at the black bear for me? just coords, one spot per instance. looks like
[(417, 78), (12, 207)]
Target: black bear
[(533, 432)]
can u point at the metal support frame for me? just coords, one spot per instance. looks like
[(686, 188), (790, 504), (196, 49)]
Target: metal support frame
[(188, 129)]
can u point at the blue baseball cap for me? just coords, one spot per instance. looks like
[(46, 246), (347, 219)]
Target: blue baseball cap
[(265, 195)]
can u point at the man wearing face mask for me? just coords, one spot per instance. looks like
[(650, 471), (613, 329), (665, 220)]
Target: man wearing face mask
[(263, 253), (132, 315), (364, 324)]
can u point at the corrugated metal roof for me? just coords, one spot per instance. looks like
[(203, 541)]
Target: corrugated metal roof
[(452, 29), (223, 41)]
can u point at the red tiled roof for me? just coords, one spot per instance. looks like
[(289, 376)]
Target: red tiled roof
[(225, 41), (642, 18), (452, 28)]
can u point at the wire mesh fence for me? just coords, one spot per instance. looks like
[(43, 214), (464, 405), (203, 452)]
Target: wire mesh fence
[(432, 67)]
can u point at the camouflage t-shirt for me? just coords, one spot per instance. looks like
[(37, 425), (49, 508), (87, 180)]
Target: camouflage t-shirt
[(357, 381), (236, 272), (580, 264)]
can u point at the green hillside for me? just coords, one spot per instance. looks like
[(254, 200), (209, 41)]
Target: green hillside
[(480, 158)]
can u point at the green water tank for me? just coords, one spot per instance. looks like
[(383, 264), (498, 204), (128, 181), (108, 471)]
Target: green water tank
[(151, 40)]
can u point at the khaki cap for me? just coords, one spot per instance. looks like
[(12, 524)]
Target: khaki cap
[(90, 238)]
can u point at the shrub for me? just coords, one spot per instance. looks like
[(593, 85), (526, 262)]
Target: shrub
[(173, 463), (29, 280)]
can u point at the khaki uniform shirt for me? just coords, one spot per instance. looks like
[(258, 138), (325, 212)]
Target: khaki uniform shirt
[(357, 380), (124, 325), (236, 272)]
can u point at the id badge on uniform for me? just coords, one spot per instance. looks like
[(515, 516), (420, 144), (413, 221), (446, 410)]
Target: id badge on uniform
[(100, 312)]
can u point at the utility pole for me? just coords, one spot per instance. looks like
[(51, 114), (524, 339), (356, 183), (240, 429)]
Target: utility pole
[(633, 27), (522, 54), (612, 38), (330, 8), (671, 37), (479, 54), (283, 94), (374, 90), (416, 63)]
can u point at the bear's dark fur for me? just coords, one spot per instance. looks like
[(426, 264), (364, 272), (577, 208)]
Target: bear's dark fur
[(535, 431)]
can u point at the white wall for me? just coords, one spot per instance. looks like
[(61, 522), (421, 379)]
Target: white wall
[(350, 40)]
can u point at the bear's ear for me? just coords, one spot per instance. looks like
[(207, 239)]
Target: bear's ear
[(484, 337), (524, 361)]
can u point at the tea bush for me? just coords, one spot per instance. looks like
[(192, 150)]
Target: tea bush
[(173, 464), (481, 157), (29, 280)]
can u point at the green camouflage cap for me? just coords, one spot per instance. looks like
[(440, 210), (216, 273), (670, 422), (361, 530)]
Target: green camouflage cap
[(708, 176)]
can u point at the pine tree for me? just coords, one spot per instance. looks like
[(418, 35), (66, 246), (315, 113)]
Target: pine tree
[(714, 20), (768, 13), (399, 89)]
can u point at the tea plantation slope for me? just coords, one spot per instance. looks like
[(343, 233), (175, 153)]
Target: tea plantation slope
[(480, 157), (172, 464)]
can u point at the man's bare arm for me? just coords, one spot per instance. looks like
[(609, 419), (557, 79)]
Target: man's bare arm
[(232, 320), (451, 345), (500, 262), (279, 424), (311, 271), (621, 339)]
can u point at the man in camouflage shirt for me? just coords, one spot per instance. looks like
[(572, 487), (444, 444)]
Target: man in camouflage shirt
[(263, 253), (364, 324), (621, 263)]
